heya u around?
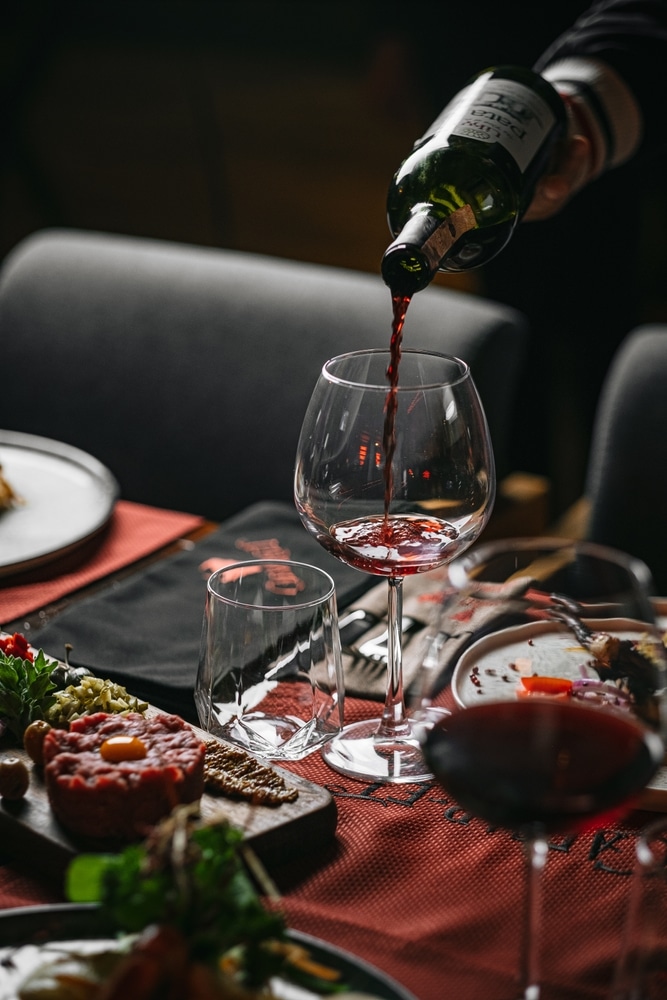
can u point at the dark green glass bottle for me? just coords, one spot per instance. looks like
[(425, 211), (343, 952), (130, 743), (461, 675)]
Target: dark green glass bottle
[(454, 202)]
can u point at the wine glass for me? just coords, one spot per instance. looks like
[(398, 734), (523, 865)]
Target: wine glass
[(394, 476), (558, 719), (641, 967)]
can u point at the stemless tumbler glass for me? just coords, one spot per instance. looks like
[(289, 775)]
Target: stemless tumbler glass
[(270, 671)]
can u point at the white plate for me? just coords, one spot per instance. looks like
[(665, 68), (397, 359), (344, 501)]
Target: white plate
[(491, 669), (68, 497)]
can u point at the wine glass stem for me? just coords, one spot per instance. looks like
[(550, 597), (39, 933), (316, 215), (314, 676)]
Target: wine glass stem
[(536, 850), (394, 722)]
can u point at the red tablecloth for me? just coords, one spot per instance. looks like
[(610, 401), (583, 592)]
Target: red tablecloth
[(432, 896), (410, 883)]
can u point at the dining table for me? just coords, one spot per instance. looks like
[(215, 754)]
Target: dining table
[(404, 879)]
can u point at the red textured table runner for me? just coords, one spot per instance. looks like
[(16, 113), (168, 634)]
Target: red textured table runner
[(432, 896), (134, 531), (411, 883)]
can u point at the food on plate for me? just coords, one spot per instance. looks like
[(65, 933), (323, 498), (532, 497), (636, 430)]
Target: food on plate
[(628, 664), (620, 668), (534, 684), (33, 700), (33, 740), (91, 695), (584, 688), (8, 496), (14, 778), (199, 921), (33, 687), (16, 645), (118, 794), (231, 771), (189, 923), (626, 669), (26, 688)]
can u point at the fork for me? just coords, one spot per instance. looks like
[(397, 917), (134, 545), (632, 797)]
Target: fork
[(374, 650)]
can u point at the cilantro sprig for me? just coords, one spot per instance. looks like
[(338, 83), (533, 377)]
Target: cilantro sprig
[(25, 691), (192, 877)]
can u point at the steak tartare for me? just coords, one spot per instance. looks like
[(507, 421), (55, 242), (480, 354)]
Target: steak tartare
[(114, 776)]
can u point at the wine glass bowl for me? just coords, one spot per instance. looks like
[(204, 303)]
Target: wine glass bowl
[(394, 476), (433, 495)]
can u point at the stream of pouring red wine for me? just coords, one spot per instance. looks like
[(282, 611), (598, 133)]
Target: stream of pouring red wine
[(400, 305), (384, 545)]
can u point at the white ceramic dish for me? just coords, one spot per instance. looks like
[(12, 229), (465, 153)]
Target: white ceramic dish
[(491, 668), (68, 496)]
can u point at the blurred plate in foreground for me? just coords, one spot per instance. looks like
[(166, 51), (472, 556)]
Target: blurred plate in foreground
[(67, 922)]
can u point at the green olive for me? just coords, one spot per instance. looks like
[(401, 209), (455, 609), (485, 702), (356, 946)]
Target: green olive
[(33, 740), (14, 778)]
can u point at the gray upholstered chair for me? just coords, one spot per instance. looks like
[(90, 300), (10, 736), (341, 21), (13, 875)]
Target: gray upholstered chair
[(187, 370), (626, 488)]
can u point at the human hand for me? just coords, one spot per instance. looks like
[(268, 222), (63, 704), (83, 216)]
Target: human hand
[(570, 169)]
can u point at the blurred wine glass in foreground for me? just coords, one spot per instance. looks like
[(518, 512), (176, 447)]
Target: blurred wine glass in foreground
[(393, 477), (641, 970), (559, 717)]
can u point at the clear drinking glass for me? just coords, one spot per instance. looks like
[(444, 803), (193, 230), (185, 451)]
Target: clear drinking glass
[(270, 671), (559, 720), (393, 479)]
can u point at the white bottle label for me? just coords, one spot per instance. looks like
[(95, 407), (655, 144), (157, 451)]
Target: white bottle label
[(499, 110)]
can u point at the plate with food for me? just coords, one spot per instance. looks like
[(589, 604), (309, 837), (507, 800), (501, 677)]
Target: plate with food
[(53, 498), (605, 661), (85, 765), (178, 916)]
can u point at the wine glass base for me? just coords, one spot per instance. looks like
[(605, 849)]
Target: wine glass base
[(360, 752)]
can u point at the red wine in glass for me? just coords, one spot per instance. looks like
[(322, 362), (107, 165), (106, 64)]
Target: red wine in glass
[(540, 767), (394, 545), (543, 766)]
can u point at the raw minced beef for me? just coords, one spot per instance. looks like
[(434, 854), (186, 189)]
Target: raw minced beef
[(120, 800)]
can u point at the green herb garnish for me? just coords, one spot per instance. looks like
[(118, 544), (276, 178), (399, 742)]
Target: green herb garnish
[(25, 691), (189, 876)]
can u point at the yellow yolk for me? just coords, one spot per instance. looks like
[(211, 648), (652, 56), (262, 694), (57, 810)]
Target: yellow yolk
[(123, 748)]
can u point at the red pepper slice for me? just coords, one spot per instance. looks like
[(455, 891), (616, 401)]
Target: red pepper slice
[(16, 645), (546, 685)]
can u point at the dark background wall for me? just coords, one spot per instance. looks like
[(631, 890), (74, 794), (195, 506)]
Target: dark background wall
[(276, 126)]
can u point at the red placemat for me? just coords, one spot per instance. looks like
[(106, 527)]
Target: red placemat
[(134, 531), (433, 897)]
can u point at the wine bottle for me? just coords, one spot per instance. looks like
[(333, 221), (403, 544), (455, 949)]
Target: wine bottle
[(454, 202)]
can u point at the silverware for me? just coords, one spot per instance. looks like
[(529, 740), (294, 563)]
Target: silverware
[(375, 649), (353, 624)]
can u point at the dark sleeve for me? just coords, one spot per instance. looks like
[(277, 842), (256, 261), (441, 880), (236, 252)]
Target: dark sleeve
[(631, 37)]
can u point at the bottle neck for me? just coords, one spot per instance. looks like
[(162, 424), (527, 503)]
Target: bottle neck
[(411, 261)]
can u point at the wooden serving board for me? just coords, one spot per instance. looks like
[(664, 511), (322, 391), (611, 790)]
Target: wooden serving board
[(30, 832)]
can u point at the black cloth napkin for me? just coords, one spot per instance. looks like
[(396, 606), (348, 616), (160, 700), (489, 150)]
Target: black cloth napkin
[(144, 632)]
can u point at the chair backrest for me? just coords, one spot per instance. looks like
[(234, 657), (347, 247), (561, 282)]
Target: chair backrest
[(187, 370), (626, 485)]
